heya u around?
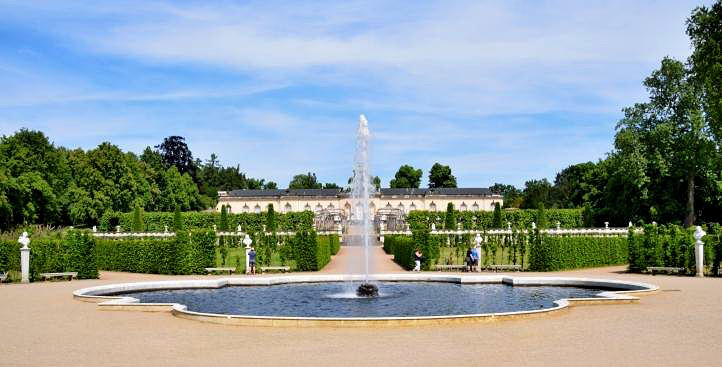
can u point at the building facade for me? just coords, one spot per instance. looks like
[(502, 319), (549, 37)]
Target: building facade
[(318, 200)]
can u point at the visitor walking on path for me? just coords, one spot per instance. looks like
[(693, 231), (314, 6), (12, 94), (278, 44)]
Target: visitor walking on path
[(252, 260), (417, 260)]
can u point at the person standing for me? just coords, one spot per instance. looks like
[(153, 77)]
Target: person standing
[(252, 260), (469, 260), (417, 260)]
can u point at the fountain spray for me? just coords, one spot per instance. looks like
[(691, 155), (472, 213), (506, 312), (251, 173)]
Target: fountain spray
[(360, 198)]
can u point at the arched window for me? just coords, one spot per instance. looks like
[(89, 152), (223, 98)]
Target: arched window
[(330, 206), (412, 207), (246, 209), (402, 208), (463, 207), (287, 208), (388, 206), (319, 207), (432, 207), (257, 209), (475, 207), (307, 207)]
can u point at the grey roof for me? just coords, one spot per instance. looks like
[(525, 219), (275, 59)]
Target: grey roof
[(341, 193), (283, 192)]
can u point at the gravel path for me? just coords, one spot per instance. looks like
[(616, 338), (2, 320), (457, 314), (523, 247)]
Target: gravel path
[(681, 325)]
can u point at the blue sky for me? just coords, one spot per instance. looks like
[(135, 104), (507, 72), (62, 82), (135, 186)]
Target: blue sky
[(503, 91)]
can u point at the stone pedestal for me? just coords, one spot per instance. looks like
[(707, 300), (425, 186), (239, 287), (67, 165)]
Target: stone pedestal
[(25, 264), (699, 250)]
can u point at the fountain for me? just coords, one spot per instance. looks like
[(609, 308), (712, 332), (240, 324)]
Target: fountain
[(360, 197), (353, 299)]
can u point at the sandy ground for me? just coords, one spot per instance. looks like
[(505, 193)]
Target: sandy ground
[(41, 325)]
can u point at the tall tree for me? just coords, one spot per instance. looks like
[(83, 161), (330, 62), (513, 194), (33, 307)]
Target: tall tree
[(512, 195), (304, 181), (440, 176), (406, 177), (670, 132), (704, 28), (175, 152), (536, 192)]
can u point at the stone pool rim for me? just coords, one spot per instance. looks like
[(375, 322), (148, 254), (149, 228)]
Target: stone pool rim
[(108, 299)]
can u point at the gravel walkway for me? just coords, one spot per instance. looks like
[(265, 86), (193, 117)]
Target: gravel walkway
[(681, 325)]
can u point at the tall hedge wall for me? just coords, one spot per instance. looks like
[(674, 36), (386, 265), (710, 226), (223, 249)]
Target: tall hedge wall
[(156, 221), (519, 218), (661, 245), (310, 253), (73, 250), (332, 241), (183, 254), (550, 253), (403, 248)]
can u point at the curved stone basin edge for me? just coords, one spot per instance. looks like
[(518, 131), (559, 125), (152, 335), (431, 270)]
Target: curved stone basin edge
[(107, 299)]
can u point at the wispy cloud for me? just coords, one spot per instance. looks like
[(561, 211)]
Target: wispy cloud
[(501, 90)]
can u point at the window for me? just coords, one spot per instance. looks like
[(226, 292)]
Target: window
[(463, 207), (475, 207), (257, 209), (246, 209), (287, 208), (432, 207), (412, 207)]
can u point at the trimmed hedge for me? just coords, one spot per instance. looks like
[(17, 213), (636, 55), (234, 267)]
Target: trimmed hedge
[(156, 221), (403, 248), (551, 253), (333, 243), (661, 245), (73, 250), (519, 218), (310, 253), (183, 254)]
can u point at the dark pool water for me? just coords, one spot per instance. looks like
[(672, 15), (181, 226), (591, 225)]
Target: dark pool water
[(338, 300)]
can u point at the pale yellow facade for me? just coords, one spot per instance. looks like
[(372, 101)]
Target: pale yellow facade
[(245, 203)]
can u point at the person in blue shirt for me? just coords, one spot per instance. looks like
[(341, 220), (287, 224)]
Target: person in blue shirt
[(252, 260)]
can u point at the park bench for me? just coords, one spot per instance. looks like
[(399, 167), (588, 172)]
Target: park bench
[(504, 267), (449, 267), (282, 269), (213, 270), (3, 276), (665, 269), (69, 274)]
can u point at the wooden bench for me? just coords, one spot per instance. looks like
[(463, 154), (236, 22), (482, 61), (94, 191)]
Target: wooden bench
[(3, 276), (449, 267), (69, 274), (282, 269), (213, 270), (665, 269), (504, 267)]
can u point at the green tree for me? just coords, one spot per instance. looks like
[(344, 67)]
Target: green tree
[(588, 216), (512, 196), (223, 220), (440, 176), (138, 225), (175, 152), (536, 192), (704, 28), (541, 217), (496, 221), (331, 185), (271, 219), (406, 177), (177, 220), (669, 131), (450, 217), (304, 181)]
